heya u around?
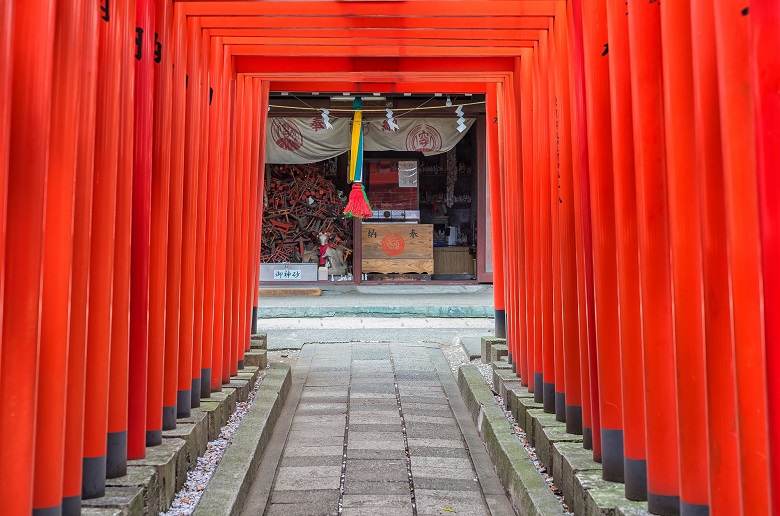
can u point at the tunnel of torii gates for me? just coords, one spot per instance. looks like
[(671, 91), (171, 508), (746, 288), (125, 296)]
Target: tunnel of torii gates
[(633, 153)]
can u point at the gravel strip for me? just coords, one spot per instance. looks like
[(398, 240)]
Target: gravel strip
[(189, 495), (457, 358)]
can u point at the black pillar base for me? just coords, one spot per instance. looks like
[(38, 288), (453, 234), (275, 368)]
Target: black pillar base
[(116, 455), (153, 437), (93, 477), (500, 322), (48, 511), (560, 407), (195, 393), (635, 473), (183, 403), (254, 320), (538, 388), (71, 506), (612, 455), (663, 505), (169, 418), (693, 509), (549, 397), (574, 420), (205, 383), (587, 438)]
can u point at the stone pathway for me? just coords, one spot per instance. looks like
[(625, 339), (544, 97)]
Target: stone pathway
[(375, 429)]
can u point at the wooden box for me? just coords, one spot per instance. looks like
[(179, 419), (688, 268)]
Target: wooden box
[(397, 248), (453, 260)]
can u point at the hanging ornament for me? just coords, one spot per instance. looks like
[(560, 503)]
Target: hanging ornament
[(391, 120), (326, 119), (461, 120), (358, 205)]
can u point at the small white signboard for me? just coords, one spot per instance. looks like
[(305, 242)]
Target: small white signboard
[(287, 274)]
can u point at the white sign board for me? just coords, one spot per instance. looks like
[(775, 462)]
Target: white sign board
[(287, 274)]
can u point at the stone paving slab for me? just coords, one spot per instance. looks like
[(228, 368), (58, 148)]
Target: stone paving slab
[(355, 429)]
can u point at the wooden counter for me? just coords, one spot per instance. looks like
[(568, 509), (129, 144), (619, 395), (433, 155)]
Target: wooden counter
[(397, 248)]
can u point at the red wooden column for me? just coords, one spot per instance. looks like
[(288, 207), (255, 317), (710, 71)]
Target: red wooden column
[(525, 81), (569, 292), (496, 222), (686, 254), (555, 201), (509, 215), (102, 251), (33, 38), (56, 266), (635, 464), (158, 271), (237, 350), (545, 230), (654, 262), (116, 451), (220, 145), (538, 376), (198, 336), (249, 116), (189, 219), (218, 149), (212, 316), (765, 25), (255, 194), (6, 73), (738, 134), (604, 255), (724, 485), (175, 209), (262, 114), (141, 240), (506, 218), (82, 216), (579, 141), (521, 350), (230, 168)]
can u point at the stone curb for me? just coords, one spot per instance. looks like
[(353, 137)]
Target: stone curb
[(151, 483), (256, 358), (527, 490), (575, 472), (487, 344), (259, 340), (226, 491)]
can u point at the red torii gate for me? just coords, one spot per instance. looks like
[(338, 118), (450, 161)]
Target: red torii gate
[(603, 132)]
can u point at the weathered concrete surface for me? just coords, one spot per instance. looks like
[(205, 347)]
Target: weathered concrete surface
[(487, 344), (259, 340), (147, 479), (386, 422), (127, 500), (256, 358), (151, 483), (225, 492), (472, 346), (498, 351), (527, 489)]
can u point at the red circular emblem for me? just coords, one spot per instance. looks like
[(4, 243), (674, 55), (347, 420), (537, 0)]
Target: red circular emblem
[(393, 244), (286, 134), (423, 138)]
